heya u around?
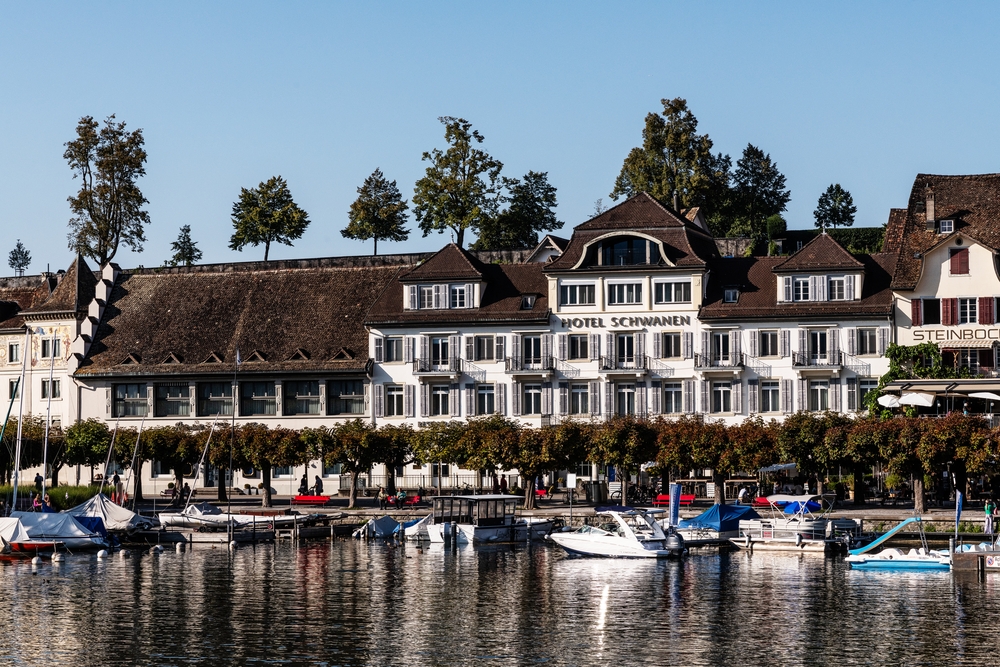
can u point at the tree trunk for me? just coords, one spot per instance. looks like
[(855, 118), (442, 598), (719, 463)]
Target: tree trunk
[(376, 247), (459, 237), (390, 481), (858, 472), (137, 495), (720, 487), (624, 478), (918, 493), (222, 485), (529, 494), (54, 481), (267, 248), (352, 494), (265, 478)]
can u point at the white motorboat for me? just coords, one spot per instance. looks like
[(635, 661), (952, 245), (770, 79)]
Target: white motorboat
[(622, 532), (206, 516), (896, 559), (486, 518), (796, 523), (61, 529)]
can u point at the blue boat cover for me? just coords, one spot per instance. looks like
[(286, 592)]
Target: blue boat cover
[(795, 508), (720, 517), (93, 523)]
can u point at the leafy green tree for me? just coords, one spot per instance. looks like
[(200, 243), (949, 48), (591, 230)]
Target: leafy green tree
[(379, 212), (626, 443), (267, 214), (357, 447), (19, 258), (396, 446), (87, 443), (438, 443), (675, 159), (108, 208), (758, 192), (461, 187), (835, 208), (186, 252), (532, 202)]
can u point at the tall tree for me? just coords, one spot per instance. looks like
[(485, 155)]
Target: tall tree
[(19, 258), (108, 208), (379, 212), (674, 158), (460, 189), (186, 251), (758, 192), (532, 202), (267, 214), (835, 208)]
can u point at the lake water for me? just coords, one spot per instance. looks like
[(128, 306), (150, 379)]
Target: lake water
[(352, 603)]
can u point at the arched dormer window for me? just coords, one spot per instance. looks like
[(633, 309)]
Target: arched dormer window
[(628, 251)]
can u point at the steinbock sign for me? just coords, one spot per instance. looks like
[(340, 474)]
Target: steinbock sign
[(945, 335), (626, 322)]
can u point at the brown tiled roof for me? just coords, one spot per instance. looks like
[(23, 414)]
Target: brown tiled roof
[(20, 294), (820, 254), (973, 202), (892, 241), (449, 263), (73, 294), (758, 287), (174, 321), (641, 211), (501, 300)]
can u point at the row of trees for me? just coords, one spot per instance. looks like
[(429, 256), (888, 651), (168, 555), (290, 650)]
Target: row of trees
[(818, 444), (676, 165)]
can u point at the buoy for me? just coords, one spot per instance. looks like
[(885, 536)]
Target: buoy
[(232, 545), (179, 548), (157, 549), (103, 553), (57, 558), (37, 560), (125, 553)]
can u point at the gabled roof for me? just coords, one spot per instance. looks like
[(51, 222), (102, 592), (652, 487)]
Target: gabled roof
[(449, 263), (500, 301), (972, 201), (641, 211), (894, 229), (550, 242), (20, 294), (71, 296), (758, 298), (191, 320), (820, 254)]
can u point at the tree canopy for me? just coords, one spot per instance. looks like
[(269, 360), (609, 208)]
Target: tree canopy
[(107, 210), (461, 187), (267, 214), (674, 158), (379, 212), (758, 192), (185, 250), (19, 258), (532, 201), (835, 208)]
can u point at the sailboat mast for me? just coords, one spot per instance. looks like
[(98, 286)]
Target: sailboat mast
[(20, 410), (48, 407), (201, 462)]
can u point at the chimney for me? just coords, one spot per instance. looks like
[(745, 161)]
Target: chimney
[(929, 207), (675, 201)]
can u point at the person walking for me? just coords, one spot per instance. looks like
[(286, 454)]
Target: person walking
[(318, 488), (990, 508)]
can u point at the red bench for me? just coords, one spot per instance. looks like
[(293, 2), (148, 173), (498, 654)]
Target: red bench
[(409, 501), (541, 493), (310, 500), (664, 499), (760, 501)]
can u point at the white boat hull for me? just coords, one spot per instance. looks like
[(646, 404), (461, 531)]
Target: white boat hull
[(521, 531), (895, 559), (611, 546)]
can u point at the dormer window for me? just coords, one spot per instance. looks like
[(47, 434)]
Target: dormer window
[(459, 299), (528, 301), (426, 293), (731, 295), (837, 289), (800, 288), (436, 297), (946, 226)]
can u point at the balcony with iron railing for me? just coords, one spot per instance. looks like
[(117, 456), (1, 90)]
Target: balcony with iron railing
[(530, 365), (450, 366), (704, 362), (637, 363), (815, 360)]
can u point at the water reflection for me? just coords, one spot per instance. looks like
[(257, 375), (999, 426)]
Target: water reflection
[(350, 603)]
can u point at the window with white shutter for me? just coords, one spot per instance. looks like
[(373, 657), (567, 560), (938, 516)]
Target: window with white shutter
[(641, 408), (754, 336), (500, 345), (658, 345), (563, 397), (379, 346), (561, 345), (595, 346), (803, 394), (786, 346), (688, 396), (688, 345), (595, 397), (470, 399), (833, 345), (851, 334), (786, 396), (852, 394), (470, 348), (753, 395), (379, 400), (515, 399), (425, 400), (655, 397), (408, 349), (411, 297), (609, 399), (453, 400), (883, 340), (737, 397), (849, 287), (546, 398), (408, 400), (501, 398), (835, 394)]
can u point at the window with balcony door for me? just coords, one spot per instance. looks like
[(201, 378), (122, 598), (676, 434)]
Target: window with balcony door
[(625, 398), (484, 348), (720, 346), (817, 345), (769, 396), (768, 344), (672, 345), (819, 395), (394, 349), (673, 398), (867, 341), (579, 346), (439, 352), (531, 349), (628, 251), (625, 349), (722, 397), (579, 403)]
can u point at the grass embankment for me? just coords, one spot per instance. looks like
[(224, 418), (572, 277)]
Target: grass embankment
[(62, 497)]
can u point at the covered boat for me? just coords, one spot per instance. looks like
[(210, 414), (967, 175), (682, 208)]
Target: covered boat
[(486, 518), (206, 516), (718, 522), (382, 527), (15, 539), (63, 529), (115, 517), (622, 532)]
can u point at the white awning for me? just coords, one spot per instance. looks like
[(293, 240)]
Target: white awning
[(971, 343)]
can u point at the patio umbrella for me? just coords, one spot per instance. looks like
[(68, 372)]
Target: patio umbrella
[(888, 401), (985, 394), (920, 398)]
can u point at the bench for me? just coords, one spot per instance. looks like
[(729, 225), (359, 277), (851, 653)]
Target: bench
[(541, 493), (409, 501), (310, 500), (664, 500)]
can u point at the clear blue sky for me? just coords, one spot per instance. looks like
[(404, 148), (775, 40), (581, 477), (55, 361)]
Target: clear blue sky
[(228, 94)]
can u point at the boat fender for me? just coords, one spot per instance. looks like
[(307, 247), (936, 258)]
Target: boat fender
[(57, 558), (179, 548), (232, 545), (157, 549), (798, 539), (37, 560), (103, 553), (125, 553), (748, 541)]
